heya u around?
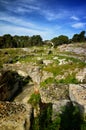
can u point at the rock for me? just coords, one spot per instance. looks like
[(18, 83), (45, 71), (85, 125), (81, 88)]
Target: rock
[(55, 58), (62, 61), (22, 73), (46, 62), (57, 107), (10, 83), (14, 116), (26, 69), (53, 93), (81, 76), (72, 48), (77, 95), (25, 95), (46, 74)]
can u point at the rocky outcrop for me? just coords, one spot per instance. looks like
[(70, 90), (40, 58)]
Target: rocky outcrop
[(46, 75), (10, 83), (72, 48), (25, 70), (77, 95), (14, 116), (54, 92), (33, 71), (57, 107), (81, 75)]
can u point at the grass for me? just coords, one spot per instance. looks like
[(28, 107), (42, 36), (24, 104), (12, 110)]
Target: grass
[(35, 99), (70, 79), (47, 82), (61, 69)]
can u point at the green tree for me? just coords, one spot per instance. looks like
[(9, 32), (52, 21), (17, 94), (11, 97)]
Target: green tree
[(62, 39), (82, 36), (79, 37), (36, 40), (1, 42), (75, 38)]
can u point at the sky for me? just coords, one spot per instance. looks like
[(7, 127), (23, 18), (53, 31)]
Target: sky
[(47, 18)]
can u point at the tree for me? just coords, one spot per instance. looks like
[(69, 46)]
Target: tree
[(1, 42), (75, 38), (62, 39), (79, 37), (7, 39), (36, 40), (82, 36)]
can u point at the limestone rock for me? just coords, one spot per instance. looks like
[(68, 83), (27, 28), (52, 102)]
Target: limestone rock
[(62, 61), (81, 75), (46, 62), (10, 83), (77, 95), (22, 73), (57, 106), (14, 116), (53, 93), (46, 74)]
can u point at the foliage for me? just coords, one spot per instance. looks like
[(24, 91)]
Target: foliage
[(8, 41), (36, 40), (35, 99), (62, 39), (69, 79), (47, 81), (79, 37), (68, 119)]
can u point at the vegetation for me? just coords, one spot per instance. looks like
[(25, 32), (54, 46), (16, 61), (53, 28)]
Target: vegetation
[(35, 99), (68, 119), (60, 40), (8, 41), (79, 37), (69, 79)]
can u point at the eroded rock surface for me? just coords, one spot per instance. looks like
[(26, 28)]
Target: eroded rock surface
[(14, 116), (81, 76), (77, 95), (53, 93)]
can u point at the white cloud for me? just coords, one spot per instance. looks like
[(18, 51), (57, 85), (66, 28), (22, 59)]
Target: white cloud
[(20, 22), (17, 21), (20, 6), (79, 25), (75, 18), (50, 15), (14, 30)]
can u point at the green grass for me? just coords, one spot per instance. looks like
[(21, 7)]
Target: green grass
[(69, 79), (47, 82), (35, 99), (61, 69)]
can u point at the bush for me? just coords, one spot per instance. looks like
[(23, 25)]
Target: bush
[(62, 39)]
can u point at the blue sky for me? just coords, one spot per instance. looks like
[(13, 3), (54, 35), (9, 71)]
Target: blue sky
[(48, 18)]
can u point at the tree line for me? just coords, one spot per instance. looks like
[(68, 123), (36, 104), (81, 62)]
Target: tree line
[(62, 39), (8, 41)]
